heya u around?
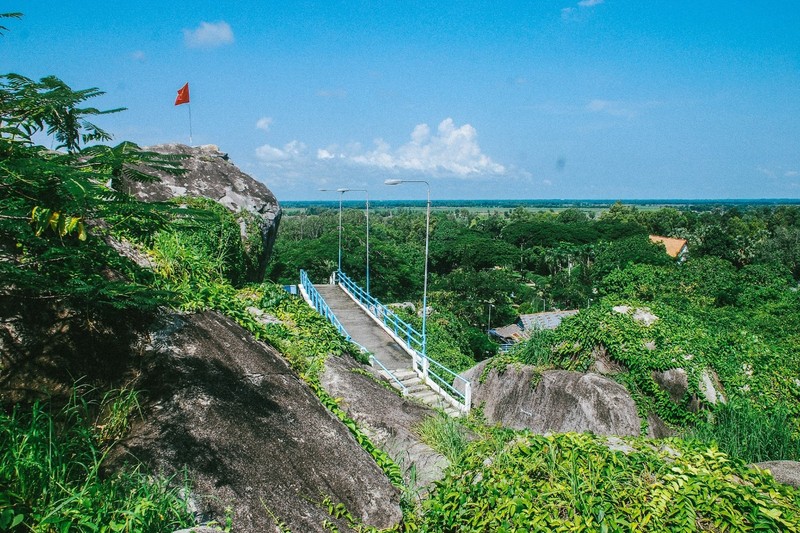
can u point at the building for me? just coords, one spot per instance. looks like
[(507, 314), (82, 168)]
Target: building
[(527, 324), (676, 248)]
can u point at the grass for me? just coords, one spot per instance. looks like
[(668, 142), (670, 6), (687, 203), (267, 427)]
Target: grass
[(746, 432), (445, 435), (50, 476)]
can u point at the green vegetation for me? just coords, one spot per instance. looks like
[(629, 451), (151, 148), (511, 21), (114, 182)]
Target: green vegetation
[(750, 433), (49, 199), (446, 435), (729, 315), (50, 479), (729, 312), (571, 482)]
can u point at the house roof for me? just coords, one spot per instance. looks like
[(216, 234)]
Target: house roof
[(674, 246), (527, 324), (512, 333), (546, 320)]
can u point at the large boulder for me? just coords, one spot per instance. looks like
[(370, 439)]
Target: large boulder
[(210, 174), (390, 421), (226, 411), (521, 397)]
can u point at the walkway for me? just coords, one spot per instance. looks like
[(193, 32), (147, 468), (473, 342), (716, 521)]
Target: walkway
[(363, 330)]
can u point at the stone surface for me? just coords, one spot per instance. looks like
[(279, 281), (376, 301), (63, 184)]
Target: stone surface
[(558, 401), (674, 382), (209, 173), (786, 472), (657, 428), (641, 315), (603, 364), (228, 412), (389, 420), (710, 387)]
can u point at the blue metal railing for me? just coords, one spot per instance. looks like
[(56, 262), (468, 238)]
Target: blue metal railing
[(401, 328), (315, 300), (373, 360), (442, 380)]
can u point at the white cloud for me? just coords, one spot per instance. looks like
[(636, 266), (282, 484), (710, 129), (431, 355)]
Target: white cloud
[(208, 35), (448, 153), (451, 150), (291, 151), (766, 171), (138, 56), (571, 13), (791, 174), (264, 123)]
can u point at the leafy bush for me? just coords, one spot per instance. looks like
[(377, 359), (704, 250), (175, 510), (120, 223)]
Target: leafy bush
[(579, 482), (53, 203), (202, 244), (444, 434)]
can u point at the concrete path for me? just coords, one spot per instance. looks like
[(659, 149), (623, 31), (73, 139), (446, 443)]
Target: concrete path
[(363, 329)]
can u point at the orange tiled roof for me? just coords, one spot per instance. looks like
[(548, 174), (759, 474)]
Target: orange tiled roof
[(673, 246)]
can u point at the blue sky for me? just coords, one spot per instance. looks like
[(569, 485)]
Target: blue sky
[(610, 99)]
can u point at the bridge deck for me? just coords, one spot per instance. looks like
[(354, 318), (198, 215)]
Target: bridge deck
[(363, 329)]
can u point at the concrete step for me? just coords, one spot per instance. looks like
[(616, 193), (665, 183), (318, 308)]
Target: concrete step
[(427, 396), (403, 373)]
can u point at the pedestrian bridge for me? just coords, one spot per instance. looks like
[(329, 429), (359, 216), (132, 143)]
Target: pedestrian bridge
[(393, 345)]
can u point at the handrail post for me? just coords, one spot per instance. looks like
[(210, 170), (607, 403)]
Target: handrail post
[(467, 396)]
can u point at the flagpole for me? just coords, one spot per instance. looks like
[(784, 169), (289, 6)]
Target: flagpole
[(183, 98)]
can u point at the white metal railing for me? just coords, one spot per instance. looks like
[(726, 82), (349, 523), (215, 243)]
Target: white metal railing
[(315, 300), (432, 372)]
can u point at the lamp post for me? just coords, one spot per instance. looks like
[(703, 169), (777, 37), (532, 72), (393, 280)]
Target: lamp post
[(341, 193), (425, 280), (367, 217), (489, 322)]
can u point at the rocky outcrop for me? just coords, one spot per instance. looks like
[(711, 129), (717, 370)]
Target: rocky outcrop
[(389, 421), (210, 174), (558, 401), (675, 382), (226, 410)]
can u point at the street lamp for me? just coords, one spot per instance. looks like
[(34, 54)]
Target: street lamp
[(367, 216), (489, 322), (341, 193), (427, 238)]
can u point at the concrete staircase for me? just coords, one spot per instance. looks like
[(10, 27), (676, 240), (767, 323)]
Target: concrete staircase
[(418, 390)]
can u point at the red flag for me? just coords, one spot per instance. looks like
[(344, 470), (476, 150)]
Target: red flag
[(183, 95)]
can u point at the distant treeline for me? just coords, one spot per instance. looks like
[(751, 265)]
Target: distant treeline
[(694, 204)]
